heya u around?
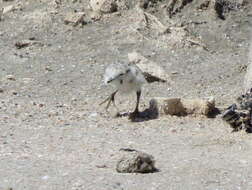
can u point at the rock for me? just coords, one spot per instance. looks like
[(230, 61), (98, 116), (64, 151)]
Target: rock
[(219, 8), (74, 18), (95, 15), (8, 9), (150, 22), (56, 3), (175, 6), (244, 101), (169, 35), (143, 4), (133, 161), (182, 106), (1, 90), (27, 80), (22, 44), (47, 68), (238, 119), (169, 106), (11, 77), (11, 8), (104, 6), (25, 43), (199, 106), (152, 71)]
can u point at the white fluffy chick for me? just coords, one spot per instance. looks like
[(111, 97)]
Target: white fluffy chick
[(126, 78)]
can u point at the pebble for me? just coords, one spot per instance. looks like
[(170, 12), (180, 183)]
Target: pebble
[(93, 114), (11, 77), (45, 177), (74, 18)]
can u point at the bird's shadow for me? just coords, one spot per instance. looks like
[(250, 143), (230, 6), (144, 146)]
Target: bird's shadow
[(213, 113), (146, 115)]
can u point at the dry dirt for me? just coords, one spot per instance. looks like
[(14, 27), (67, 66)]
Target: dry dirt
[(53, 133)]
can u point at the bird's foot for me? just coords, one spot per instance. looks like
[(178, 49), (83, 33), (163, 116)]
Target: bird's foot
[(108, 99)]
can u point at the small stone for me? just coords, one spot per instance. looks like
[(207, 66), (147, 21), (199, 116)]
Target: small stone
[(143, 4), (174, 72), (8, 9), (74, 18), (45, 177), (1, 90), (104, 6), (22, 44), (173, 130), (11, 8), (25, 43), (133, 161), (11, 77), (94, 114), (95, 15), (101, 166), (57, 3), (48, 68), (27, 80), (32, 38)]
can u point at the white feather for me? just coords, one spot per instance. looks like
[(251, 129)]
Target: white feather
[(125, 77)]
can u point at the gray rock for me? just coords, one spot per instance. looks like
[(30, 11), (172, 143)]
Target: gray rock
[(143, 4), (104, 6), (95, 15), (14, 7), (11, 77), (151, 70), (74, 18), (133, 161)]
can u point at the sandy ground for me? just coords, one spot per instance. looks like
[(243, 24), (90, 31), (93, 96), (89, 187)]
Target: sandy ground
[(53, 133)]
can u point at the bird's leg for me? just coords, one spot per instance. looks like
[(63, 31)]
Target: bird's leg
[(136, 111), (110, 99), (138, 100), (113, 100)]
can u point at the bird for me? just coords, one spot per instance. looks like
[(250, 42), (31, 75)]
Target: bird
[(127, 78)]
